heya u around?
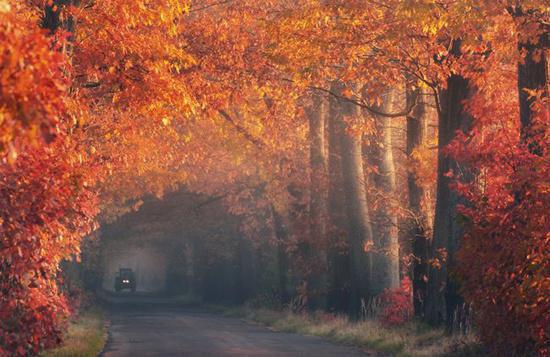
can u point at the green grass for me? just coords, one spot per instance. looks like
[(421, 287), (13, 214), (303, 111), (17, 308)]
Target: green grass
[(412, 339), (85, 337)]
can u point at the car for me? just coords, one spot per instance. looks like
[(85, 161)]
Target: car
[(125, 279)]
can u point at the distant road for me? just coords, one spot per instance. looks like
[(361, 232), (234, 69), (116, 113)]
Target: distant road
[(168, 331)]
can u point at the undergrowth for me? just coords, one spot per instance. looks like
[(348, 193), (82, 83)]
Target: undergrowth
[(412, 339), (85, 337)]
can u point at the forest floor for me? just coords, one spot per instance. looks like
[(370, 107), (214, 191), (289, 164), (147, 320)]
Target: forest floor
[(412, 339), (85, 337)]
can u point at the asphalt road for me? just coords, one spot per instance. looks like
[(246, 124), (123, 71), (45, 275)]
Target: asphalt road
[(169, 331)]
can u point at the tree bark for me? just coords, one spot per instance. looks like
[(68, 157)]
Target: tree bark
[(417, 125), (318, 205), (338, 252), (360, 230), (388, 227), (443, 298)]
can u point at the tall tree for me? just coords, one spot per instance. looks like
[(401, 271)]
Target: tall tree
[(417, 125), (318, 204), (337, 255), (443, 297), (389, 238), (360, 230)]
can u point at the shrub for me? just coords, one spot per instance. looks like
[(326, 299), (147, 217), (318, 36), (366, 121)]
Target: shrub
[(397, 305)]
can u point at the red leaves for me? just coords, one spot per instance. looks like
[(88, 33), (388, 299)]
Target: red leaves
[(45, 208), (503, 260), (31, 86), (44, 218), (397, 306)]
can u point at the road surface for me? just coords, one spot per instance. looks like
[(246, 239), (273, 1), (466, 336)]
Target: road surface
[(169, 331)]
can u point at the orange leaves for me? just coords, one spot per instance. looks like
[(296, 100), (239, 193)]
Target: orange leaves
[(45, 211), (31, 87), (137, 112), (46, 205)]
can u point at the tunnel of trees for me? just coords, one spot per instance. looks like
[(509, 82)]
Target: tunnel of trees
[(319, 155)]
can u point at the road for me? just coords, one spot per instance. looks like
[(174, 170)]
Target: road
[(169, 331)]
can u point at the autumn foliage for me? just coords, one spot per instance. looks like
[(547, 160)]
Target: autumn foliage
[(397, 304), (504, 257), (258, 104), (47, 204)]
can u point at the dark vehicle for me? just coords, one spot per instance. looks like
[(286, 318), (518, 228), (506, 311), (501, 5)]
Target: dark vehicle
[(125, 279)]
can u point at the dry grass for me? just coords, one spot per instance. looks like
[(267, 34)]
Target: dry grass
[(85, 337), (413, 339)]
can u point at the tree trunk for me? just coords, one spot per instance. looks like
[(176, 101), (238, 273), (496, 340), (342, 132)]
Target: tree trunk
[(443, 298), (338, 252), (417, 125), (281, 233), (318, 205), (389, 235), (360, 230)]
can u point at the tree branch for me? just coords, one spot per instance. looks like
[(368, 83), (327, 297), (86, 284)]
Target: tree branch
[(258, 143)]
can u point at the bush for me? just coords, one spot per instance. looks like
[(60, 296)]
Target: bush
[(397, 307)]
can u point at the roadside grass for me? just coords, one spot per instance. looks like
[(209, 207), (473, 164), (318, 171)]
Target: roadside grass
[(85, 337), (412, 339)]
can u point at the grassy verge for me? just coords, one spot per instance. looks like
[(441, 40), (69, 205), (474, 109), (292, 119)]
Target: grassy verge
[(413, 339), (85, 337)]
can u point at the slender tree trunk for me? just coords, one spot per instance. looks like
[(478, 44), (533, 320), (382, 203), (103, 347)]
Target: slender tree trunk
[(281, 233), (417, 125), (338, 252), (443, 298), (360, 230), (318, 205), (389, 235)]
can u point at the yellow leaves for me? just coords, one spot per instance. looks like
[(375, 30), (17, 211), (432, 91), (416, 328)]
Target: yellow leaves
[(4, 6), (434, 27)]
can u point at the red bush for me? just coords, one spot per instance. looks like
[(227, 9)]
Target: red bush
[(397, 307), (503, 259)]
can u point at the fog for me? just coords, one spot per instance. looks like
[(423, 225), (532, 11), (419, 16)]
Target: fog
[(148, 264)]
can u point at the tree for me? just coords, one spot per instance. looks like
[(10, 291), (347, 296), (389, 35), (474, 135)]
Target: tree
[(443, 297), (388, 240), (360, 236), (318, 206), (417, 127), (47, 201)]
